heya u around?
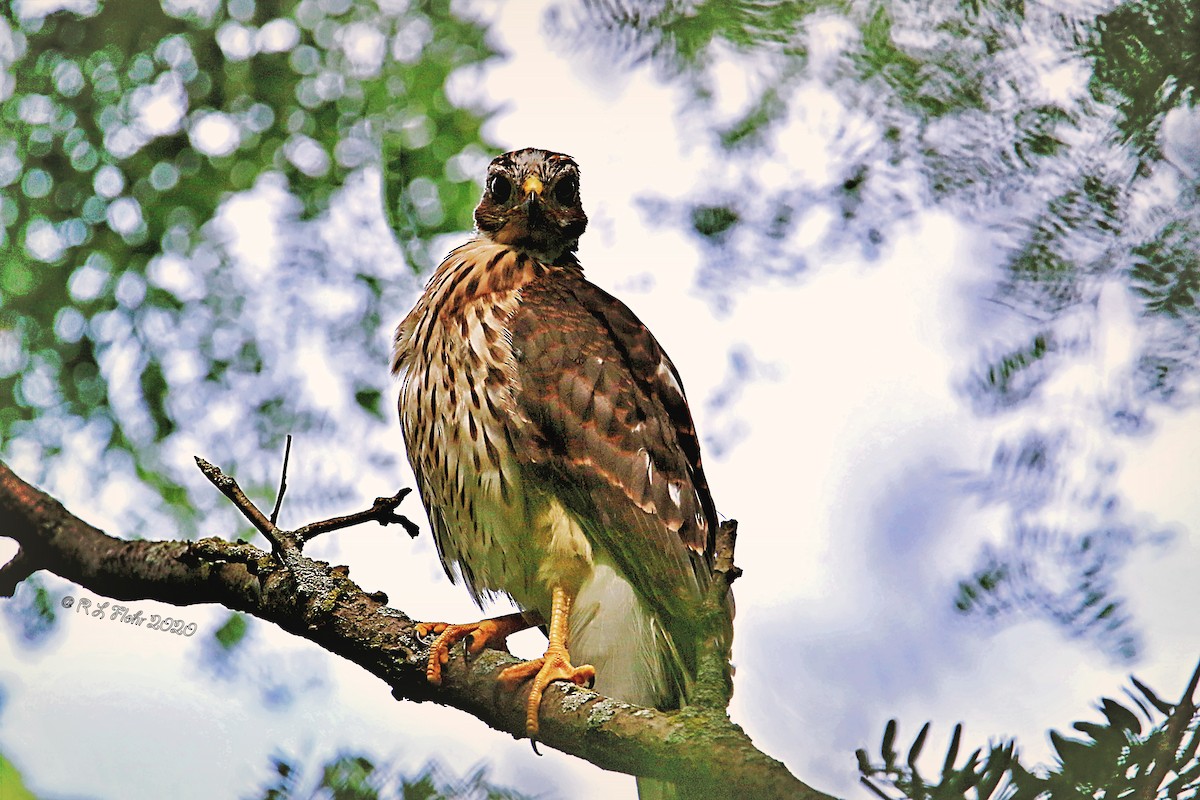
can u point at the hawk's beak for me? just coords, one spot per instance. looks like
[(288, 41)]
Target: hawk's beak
[(533, 198), (532, 185)]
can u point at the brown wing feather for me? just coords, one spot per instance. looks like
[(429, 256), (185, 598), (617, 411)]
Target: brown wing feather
[(602, 424), (657, 376)]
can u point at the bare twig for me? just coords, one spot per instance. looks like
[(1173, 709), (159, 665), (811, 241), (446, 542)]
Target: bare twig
[(287, 452), (714, 683), (723, 552), (382, 511), (19, 568), (229, 487), (1188, 700)]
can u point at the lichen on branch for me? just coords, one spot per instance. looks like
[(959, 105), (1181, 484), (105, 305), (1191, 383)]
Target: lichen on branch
[(320, 602)]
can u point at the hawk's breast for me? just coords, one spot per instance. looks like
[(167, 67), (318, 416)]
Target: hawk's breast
[(454, 353)]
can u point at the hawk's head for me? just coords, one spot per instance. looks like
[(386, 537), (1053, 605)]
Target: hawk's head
[(531, 201)]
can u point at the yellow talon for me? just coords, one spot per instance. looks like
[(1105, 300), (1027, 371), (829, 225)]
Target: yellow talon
[(491, 633), (554, 666)]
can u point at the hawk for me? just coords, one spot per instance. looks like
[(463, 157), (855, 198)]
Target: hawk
[(554, 451)]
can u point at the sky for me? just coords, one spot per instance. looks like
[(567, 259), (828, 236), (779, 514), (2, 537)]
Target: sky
[(843, 455)]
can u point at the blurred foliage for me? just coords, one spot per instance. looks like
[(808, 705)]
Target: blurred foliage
[(32, 611), (132, 132), (350, 777), (343, 777), (1006, 380), (1005, 111), (12, 783), (1149, 751), (231, 632), (126, 128), (1147, 55), (1065, 135), (237, 656), (1066, 573), (1069, 579)]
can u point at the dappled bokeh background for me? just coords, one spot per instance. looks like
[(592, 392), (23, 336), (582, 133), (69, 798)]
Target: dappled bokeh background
[(930, 272)]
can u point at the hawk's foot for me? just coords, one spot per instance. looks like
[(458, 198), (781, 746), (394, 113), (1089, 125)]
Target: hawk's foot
[(491, 633), (554, 666)]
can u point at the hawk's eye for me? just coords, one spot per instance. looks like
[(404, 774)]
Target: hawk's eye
[(499, 187), (566, 190)]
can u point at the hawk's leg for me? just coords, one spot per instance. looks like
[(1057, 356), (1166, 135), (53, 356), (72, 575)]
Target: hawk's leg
[(491, 633), (554, 666)]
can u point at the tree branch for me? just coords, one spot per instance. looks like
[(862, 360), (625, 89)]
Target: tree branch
[(318, 602), (383, 511), (1178, 721), (229, 487), (18, 569), (287, 454)]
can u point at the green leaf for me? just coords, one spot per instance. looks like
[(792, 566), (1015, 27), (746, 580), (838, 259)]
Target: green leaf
[(1151, 697), (952, 752), (887, 748), (370, 399), (914, 752), (1121, 717), (232, 631), (1073, 753), (713, 221)]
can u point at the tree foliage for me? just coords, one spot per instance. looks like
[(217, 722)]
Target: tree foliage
[(1044, 126), (1148, 751), (130, 328), (356, 777), (125, 130), (126, 322), (345, 776)]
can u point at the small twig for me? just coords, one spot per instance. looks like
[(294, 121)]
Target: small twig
[(229, 487), (1188, 701), (287, 452), (383, 511), (723, 552), (713, 686), (19, 568)]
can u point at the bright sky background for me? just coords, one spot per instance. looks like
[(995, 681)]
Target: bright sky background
[(842, 464)]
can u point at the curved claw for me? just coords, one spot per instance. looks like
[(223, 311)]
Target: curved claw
[(427, 629), (554, 666), (486, 633)]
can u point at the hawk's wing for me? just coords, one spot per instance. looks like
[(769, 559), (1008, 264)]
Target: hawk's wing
[(602, 424)]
